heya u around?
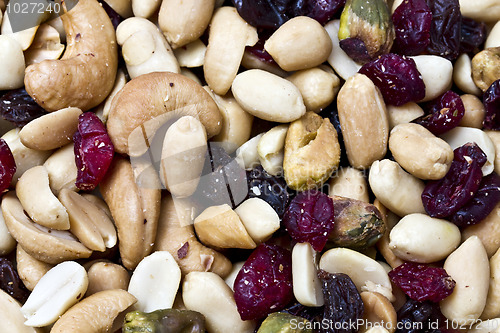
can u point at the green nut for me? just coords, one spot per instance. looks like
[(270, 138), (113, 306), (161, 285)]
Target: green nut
[(280, 322), (370, 21), (164, 321)]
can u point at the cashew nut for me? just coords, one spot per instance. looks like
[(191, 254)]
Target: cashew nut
[(85, 74), (46, 46), (105, 275), (12, 64), (61, 167), (271, 149)]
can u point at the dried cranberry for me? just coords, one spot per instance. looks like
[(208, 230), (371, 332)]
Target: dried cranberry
[(444, 197), (266, 14), (443, 113), (309, 218), (264, 283), (397, 78), (491, 101), (10, 282), (481, 205), (420, 317), (19, 108), (355, 49), (472, 35), (445, 28), (412, 23), (93, 151), (320, 10), (271, 189), (7, 166), (423, 282)]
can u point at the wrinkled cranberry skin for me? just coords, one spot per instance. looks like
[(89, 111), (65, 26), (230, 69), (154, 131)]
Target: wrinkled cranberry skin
[(264, 283), (310, 218), (93, 151), (481, 205), (444, 197), (10, 282), (445, 28), (320, 10), (412, 23), (397, 78), (266, 14), (7, 166), (422, 282), (18, 107), (491, 101), (443, 114), (472, 35)]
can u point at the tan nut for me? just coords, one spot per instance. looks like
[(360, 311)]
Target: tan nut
[(403, 114), (247, 155), (312, 152), (103, 110), (184, 22), (486, 67), (299, 43), (259, 219), (179, 239), (474, 111), (152, 97), (437, 73), (228, 37), (270, 149), (145, 8), (462, 75), (349, 183), (46, 46), (105, 275), (364, 121), (61, 167), (135, 211), (493, 38), (495, 138), (122, 7), (306, 283), (492, 306), (30, 269), (7, 242), (378, 311), (481, 10), (25, 36), (488, 231), (96, 313), (90, 61), (191, 55), (11, 316), (390, 220), (12, 64), (41, 133)]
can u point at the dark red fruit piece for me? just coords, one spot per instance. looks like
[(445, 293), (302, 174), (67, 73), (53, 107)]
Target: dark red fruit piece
[(445, 28), (491, 101), (343, 304), (397, 78), (10, 282), (258, 49), (309, 218), (265, 14), (412, 23), (271, 189), (472, 35), (93, 151), (19, 108), (7, 166), (320, 10), (481, 205), (443, 114), (355, 49), (422, 282), (444, 197), (264, 283)]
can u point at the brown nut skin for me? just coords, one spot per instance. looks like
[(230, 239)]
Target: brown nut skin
[(153, 95), (378, 310), (135, 211), (474, 111), (30, 269), (86, 72), (486, 67), (105, 275)]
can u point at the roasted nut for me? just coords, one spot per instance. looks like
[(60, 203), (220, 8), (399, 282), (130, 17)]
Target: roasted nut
[(144, 48), (488, 231), (105, 275), (46, 45), (486, 67), (484, 10), (307, 287), (312, 152), (122, 7), (247, 155), (12, 60), (420, 152), (299, 43), (364, 122), (90, 61), (24, 37), (229, 35), (284, 322), (135, 211), (175, 320), (492, 306), (378, 311), (349, 183), (103, 109), (484, 326), (145, 8), (251, 61), (97, 313), (220, 226), (191, 55), (11, 316), (179, 239), (437, 73), (403, 114), (462, 75), (186, 21), (474, 111), (390, 220), (61, 167), (7, 242), (30, 269), (151, 97), (495, 138), (493, 38), (270, 149), (259, 219)]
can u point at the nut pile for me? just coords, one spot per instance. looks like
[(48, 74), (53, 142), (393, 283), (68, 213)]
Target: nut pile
[(250, 166)]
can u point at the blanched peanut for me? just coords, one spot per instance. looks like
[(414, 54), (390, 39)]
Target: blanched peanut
[(12, 64), (423, 239), (378, 311), (103, 109), (122, 7), (390, 220), (493, 39), (191, 55), (24, 36), (420, 152), (62, 170), (343, 65), (468, 266), (306, 284), (268, 96), (364, 122), (259, 218), (247, 155), (234, 272), (299, 43), (396, 189), (488, 231), (403, 114), (481, 10), (474, 112), (495, 138), (486, 326), (11, 316), (30, 270), (251, 61), (462, 75), (349, 183), (105, 275), (492, 306), (7, 242), (270, 149), (437, 74), (145, 8)]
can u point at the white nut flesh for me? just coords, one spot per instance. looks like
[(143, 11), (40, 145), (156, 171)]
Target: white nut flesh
[(492, 306), (493, 38), (437, 73), (145, 8), (23, 37), (462, 75), (46, 45), (403, 114), (11, 315), (481, 10), (247, 155), (30, 270), (12, 64), (349, 183), (307, 287), (61, 167), (259, 218), (192, 54), (270, 149), (7, 242), (338, 59)]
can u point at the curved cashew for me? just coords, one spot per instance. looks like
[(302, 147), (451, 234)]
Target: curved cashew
[(85, 74), (30, 269), (151, 97)]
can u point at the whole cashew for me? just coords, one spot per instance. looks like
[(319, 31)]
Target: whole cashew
[(85, 74)]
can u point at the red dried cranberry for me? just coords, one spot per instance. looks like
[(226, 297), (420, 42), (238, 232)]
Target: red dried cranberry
[(19, 108), (93, 151), (422, 282), (309, 218), (444, 197), (472, 35), (264, 283), (491, 101), (443, 113), (445, 28), (7, 166), (412, 23), (397, 78)]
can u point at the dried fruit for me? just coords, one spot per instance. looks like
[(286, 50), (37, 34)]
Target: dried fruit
[(444, 197), (422, 282), (7, 166), (320, 10), (420, 317), (412, 23), (356, 49), (19, 108), (443, 113), (271, 189), (472, 35), (10, 282), (167, 320), (445, 28), (491, 101), (343, 303), (310, 218), (397, 78), (93, 151), (264, 283)]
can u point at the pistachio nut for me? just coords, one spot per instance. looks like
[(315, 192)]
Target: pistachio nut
[(486, 67), (283, 322)]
